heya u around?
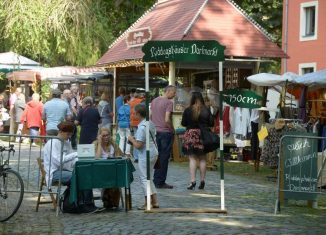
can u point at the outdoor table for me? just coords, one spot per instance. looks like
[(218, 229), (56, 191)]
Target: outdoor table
[(101, 173)]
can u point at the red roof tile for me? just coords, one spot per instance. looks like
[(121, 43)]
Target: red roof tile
[(217, 19)]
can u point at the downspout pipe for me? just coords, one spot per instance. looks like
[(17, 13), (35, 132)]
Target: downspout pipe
[(286, 22)]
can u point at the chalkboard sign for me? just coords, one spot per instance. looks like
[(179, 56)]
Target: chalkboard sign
[(299, 163)]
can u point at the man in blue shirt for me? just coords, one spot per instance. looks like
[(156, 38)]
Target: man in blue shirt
[(55, 111)]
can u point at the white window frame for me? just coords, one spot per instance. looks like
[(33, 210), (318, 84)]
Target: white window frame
[(302, 36), (307, 65)]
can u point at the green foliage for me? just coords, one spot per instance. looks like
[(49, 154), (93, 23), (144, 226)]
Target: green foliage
[(3, 82), (268, 13), (45, 90), (65, 32)]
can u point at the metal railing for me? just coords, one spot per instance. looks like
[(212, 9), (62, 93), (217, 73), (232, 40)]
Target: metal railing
[(301, 169), (24, 161)]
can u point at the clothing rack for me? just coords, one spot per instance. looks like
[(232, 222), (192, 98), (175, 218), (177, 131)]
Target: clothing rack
[(287, 120)]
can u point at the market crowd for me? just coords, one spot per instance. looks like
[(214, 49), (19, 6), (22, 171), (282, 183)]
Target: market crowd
[(61, 115)]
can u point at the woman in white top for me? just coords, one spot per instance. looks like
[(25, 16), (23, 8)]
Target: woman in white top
[(104, 146), (52, 154), (139, 142)]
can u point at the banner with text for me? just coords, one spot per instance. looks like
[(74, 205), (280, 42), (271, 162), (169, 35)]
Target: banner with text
[(188, 51), (242, 98)]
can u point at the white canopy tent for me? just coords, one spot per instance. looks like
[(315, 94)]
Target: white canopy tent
[(12, 58), (269, 79), (315, 79)]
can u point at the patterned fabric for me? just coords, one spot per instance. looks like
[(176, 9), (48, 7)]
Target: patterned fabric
[(270, 150), (192, 143), (271, 147)]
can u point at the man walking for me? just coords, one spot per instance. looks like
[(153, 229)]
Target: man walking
[(55, 111), (161, 109)]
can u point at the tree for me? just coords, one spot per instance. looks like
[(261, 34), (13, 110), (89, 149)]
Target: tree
[(268, 13), (65, 32)]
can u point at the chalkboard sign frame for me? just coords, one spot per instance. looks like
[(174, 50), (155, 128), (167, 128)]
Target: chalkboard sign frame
[(299, 157)]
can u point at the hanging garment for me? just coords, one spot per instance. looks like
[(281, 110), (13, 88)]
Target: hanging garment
[(242, 121), (226, 121)]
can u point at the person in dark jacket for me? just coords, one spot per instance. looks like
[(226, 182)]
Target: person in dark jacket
[(88, 118), (195, 116)]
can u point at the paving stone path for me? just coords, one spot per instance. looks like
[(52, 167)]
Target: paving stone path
[(249, 203)]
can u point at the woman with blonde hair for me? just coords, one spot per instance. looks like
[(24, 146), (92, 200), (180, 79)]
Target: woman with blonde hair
[(106, 148), (196, 116), (104, 145)]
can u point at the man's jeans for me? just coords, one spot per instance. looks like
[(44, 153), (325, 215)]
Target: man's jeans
[(164, 142)]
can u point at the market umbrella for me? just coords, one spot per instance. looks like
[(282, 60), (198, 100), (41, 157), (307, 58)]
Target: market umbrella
[(11, 58), (312, 79), (10, 61), (269, 79)]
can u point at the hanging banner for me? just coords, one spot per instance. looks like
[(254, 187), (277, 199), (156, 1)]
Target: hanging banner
[(187, 51), (242, 98)]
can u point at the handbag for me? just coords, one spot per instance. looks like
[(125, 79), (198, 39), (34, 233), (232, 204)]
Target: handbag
[(210, 140), (157, 164)]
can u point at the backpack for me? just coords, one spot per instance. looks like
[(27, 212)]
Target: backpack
[(65, 205)]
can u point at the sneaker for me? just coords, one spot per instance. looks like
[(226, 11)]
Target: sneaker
[(34, 145)]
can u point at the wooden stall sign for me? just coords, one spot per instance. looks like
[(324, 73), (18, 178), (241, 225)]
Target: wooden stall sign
[(187, 51), (242, 98)]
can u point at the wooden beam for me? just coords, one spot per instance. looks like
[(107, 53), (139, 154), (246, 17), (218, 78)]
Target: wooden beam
[(186, 210)]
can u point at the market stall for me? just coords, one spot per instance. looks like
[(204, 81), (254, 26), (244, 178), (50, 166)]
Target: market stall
[(303, 113), (192, 20)]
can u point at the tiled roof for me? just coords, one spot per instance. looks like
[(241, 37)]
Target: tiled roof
[(220, 20)]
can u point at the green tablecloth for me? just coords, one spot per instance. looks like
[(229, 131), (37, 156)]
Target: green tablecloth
[(107, 173)]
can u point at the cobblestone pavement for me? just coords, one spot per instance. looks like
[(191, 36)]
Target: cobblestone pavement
[(249, 203)]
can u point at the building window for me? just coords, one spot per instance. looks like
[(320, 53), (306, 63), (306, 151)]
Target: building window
[(308, 21), (307, 68)]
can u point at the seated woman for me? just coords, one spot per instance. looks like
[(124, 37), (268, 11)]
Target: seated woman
[(52, 154), (139, 142), (105, 148)]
